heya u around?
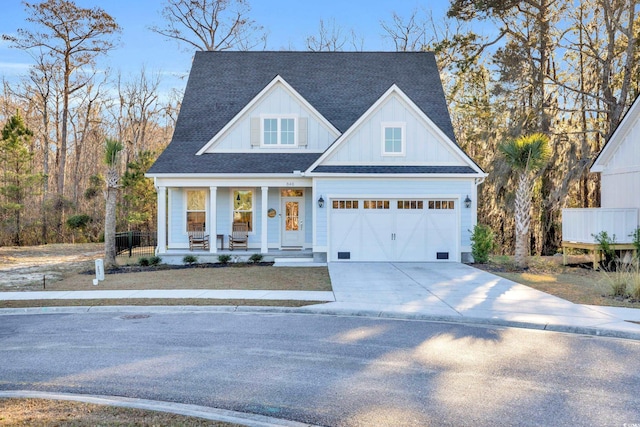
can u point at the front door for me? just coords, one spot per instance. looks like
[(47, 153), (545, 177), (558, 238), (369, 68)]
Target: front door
[(292, 221)]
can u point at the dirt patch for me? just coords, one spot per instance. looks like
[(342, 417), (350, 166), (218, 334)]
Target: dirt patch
[(42, 412), (25, 266)]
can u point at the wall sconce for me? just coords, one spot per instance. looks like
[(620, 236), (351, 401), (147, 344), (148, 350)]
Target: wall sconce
[(320, 202), (467, 202)]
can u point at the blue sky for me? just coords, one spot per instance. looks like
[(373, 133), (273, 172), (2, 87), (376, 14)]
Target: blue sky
[(288, 22)]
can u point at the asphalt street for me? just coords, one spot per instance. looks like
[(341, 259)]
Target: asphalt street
[(329, 370)]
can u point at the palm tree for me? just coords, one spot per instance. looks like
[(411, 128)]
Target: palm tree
[(525, 155), (112, 151)]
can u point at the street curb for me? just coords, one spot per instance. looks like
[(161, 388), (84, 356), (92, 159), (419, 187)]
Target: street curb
[(319, 310), (208, 413)]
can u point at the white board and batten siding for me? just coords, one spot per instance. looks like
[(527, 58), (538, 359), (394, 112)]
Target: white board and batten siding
[(244, 132), (620, 187), (422, 144), (619, 164), (580, 225)]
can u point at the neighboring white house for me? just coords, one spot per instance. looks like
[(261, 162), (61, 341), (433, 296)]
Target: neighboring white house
[(345, 155), (619, 167)]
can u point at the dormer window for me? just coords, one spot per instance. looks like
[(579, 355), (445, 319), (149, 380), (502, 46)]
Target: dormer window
[(393, 139), (279, 132)]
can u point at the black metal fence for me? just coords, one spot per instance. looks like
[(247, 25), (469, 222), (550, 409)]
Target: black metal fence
[(136, 243)]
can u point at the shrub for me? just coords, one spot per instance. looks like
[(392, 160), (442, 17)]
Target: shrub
[(481, 243), (635, 239), (604, 244), (635, 284), (78, 221), (144, 262), (255, 258), (190, 259), (623, 279), (155, 260), (224, 259)]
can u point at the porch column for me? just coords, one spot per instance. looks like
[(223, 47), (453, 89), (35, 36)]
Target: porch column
[(264, 247), (161, 247), (212, 226)]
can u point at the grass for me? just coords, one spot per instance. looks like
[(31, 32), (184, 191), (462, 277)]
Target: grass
[(233, 277), (576, 282), (153, 302), (42, 412), (236, 277)]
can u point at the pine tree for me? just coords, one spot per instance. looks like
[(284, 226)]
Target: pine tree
[(18, 182)]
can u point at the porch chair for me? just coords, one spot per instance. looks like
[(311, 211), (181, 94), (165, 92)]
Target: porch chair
[(198, 239), (239, 236)]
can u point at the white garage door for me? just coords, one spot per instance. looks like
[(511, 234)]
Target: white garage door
[(393, 230)]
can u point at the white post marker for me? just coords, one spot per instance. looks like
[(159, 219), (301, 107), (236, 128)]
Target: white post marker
[(99, 271)]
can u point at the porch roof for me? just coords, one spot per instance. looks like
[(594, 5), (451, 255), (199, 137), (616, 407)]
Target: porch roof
[(388, 169), (249, 163)]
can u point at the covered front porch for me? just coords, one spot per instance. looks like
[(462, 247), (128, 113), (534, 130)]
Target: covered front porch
[(278, 218)]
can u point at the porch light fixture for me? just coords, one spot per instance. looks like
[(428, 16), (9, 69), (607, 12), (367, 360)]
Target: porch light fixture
[(320, 202), (467, 202)]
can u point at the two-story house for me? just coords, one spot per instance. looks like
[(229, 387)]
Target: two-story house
[(348, 155)]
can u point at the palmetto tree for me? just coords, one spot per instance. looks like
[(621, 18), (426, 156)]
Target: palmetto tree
[(525, 155), (112, 151)]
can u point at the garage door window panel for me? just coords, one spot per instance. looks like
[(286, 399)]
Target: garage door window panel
[(345, 204), (376, 204), (441, 204), (410, 204)]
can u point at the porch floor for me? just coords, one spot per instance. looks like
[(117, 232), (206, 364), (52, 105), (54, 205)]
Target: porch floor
[(174, 256)]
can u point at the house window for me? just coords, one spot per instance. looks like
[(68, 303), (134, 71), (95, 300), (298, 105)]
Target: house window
[(279, 131), (270, 131), (243, 207), (196, 210), (393, 139), (291, 193)]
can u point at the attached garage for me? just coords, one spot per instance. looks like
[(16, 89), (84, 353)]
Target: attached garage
[(403, 229)]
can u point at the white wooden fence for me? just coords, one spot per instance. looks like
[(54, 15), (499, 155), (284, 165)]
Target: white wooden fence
[(579, 225)]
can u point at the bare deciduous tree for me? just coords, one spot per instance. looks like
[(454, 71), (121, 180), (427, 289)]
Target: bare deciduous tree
[(74, 36), (408, 35), (211, 24), (332, 38)]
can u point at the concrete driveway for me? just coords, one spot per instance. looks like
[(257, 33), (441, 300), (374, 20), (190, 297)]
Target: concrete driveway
[(455, 291)]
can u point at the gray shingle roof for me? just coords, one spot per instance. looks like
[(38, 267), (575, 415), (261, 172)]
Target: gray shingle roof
[(340, 85), (395, 169)]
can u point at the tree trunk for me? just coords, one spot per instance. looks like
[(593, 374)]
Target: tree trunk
[(522, 219), (110, 229)]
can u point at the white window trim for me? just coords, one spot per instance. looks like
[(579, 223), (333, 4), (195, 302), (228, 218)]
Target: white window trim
[(279, 117), (253, 206), (186, 206), (403, 140)]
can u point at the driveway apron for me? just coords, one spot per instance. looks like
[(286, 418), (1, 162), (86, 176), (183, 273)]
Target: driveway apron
[(458, 291)]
